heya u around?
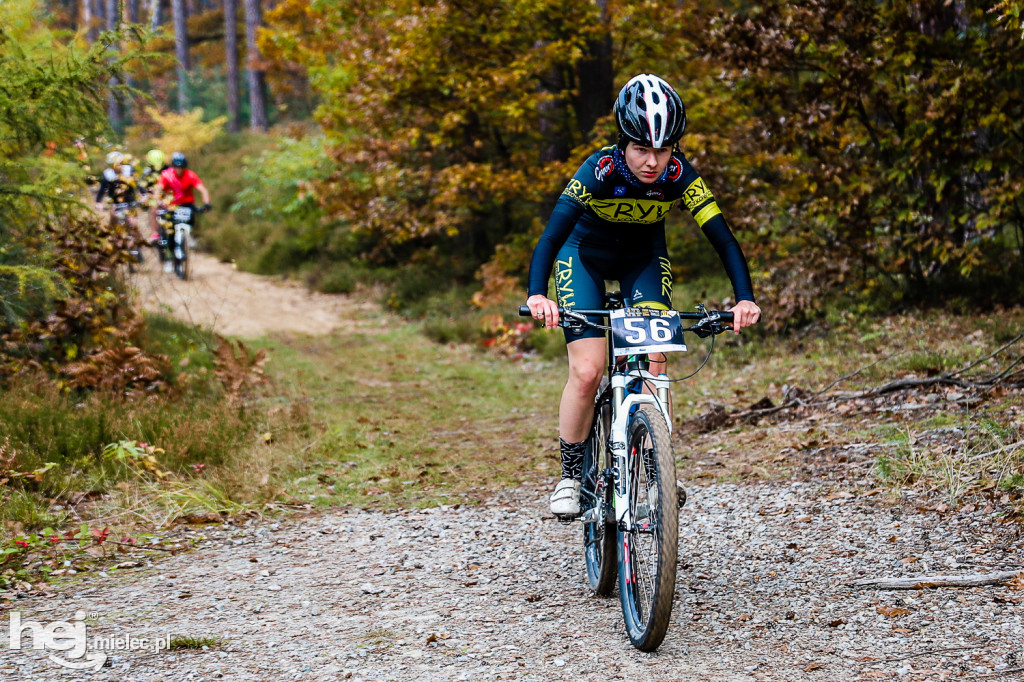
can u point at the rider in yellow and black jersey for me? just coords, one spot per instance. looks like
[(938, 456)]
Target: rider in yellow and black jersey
[(609, 224)]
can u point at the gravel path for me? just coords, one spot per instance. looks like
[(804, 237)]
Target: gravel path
[(238, 303), (498, 592)]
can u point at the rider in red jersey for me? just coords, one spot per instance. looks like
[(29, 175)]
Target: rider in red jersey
[(180, 182)]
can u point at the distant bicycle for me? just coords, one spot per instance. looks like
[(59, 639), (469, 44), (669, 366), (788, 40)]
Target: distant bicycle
[(628, 497), (175, 243)]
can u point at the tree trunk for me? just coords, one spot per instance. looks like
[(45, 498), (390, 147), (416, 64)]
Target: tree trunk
[(257, 80), (133, 11), (231, 64), (552, 124), (155, 16), (92, 13), (181, 51), (114, 110), (86, 16), (595, 75)]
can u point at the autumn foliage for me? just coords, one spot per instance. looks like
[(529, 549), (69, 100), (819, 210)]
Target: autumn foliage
[(64, 308), (892, 139), (862, 150)]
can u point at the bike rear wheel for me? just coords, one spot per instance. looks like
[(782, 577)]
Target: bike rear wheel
[(647, 553), (598, 535)]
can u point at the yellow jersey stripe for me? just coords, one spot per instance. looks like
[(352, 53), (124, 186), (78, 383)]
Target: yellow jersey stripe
[(653, 305), (706, 213)]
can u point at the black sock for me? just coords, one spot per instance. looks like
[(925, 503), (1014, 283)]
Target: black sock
[(572, 459)]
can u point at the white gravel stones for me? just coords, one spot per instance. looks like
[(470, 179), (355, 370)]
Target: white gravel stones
[(498, 592)]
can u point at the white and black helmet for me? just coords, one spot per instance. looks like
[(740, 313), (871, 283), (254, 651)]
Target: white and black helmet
[(649, 112)]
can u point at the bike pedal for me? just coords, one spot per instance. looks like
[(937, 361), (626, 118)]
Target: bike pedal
[(565, 519)]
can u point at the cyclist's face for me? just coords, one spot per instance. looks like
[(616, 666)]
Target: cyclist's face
[(647, 163), (179, 171)]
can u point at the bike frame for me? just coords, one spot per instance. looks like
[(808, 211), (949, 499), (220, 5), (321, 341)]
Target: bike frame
[(647, 594), (623, 405)]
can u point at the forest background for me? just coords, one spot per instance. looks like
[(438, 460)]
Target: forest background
[(869, 156)]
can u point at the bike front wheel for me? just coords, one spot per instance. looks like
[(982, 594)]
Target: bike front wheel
[(648, 551), (596, 500), (182, 257)]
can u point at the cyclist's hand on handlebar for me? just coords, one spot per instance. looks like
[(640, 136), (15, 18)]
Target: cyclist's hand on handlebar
[(544, 310), (745, 313)]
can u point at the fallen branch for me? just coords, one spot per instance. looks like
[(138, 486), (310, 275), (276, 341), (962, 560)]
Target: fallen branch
[(1012, 447), (979, 382), (856, 372), (1000, 673), (991, 355), (935, 652), (917, 583)]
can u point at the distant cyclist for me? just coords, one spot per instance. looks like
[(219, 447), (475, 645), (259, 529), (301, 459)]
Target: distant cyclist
[(181, 183), (117, 182), (148, 179), (609, 224), (151, 171)]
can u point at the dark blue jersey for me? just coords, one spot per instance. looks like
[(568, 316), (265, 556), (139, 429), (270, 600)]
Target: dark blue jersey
[(610, 209)]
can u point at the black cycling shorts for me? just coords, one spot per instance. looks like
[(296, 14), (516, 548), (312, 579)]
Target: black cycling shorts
[(645, 278)]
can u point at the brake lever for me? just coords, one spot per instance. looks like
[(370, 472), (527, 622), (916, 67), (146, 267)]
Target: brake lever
[(577, 323), (709, 325)]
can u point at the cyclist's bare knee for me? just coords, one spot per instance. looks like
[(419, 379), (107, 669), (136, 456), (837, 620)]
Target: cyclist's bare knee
[(585, 378), (586, 365)]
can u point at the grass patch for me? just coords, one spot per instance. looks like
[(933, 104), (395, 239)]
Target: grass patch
[(380, 638), (136, 462), (399, 420), (187, 642), (384, 413)]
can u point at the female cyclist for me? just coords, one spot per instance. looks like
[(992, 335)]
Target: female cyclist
[(609, 224)]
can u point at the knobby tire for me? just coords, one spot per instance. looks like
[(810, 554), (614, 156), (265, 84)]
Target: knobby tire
[(647, 554), (599, 537), (183, 265)]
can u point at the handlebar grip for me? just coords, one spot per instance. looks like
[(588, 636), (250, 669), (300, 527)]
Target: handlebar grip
[(524, 311)]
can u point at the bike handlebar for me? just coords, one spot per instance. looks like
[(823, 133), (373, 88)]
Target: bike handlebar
[(524, 311)]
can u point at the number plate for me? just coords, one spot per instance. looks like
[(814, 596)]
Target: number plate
[(642, 330), (182, 215)]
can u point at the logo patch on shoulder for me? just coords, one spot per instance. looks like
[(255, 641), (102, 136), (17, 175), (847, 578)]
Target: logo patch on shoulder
[(675, 169), (696, 194), (605, 165), (638, 295), (620, 191)]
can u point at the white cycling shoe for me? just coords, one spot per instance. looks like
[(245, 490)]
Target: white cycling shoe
[(565, 501)]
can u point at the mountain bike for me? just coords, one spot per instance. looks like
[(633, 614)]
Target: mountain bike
[(628, 497), (176, 243)]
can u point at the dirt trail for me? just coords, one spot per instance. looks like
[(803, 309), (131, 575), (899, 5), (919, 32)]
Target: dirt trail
[(497, 591), (237, 303)]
